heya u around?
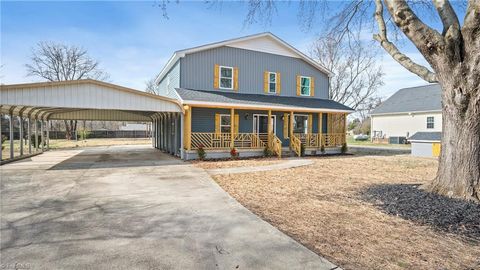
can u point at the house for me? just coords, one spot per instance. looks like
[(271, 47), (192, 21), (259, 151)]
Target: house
[(426, 144), (408, 111), (250, 93)]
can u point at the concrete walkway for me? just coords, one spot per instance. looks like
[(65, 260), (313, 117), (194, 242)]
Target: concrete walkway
[(289, 163), (132, 207)]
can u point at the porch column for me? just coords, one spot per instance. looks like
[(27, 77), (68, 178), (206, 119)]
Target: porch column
[(232, 128), (29, 134), (11, 136), (269, 129), (187, 139), (182, 134), (345, 128), (20, 120), (320, 128), (291, 124)]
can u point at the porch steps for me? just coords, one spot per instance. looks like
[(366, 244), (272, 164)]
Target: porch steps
[(286, 152)]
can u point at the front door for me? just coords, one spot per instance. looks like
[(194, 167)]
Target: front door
[(260, 123)]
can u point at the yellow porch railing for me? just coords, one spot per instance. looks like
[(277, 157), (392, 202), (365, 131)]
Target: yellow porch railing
[(296, 145), (275, 145), (223, 140), (318, 139)]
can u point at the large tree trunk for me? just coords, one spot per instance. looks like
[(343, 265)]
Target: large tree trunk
[(459, 165)]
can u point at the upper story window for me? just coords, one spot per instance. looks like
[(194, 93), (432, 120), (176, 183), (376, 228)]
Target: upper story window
[(272, 82), (305, 83), (430, 122), (226, 77)]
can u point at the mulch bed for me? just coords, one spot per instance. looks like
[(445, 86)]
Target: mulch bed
[(410, 202)]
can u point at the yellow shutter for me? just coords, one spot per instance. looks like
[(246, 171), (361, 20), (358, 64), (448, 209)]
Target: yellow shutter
[(235, 78), (216, 70), (279, 84), (217, 123), (265, 81), (298, 85), (285, 125), (237, 122), (310, 124), (312, 86)]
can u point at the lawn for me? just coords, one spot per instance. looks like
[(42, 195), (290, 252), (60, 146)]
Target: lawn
[(60, 144), (364, 212), (351, 141)]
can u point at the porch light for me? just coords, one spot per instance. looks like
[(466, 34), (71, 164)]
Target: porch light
[(246, 116)]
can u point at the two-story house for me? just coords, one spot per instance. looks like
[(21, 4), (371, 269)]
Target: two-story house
[(250, 93)]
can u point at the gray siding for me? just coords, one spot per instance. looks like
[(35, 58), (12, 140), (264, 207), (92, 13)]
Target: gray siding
[(422, 149), (197, 70), (169, 90)]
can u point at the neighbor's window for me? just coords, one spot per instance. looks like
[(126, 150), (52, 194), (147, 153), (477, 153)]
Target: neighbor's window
[(272, 82), (225, 123), (226, 77), (305, 86), (430, 122), (300, 124)]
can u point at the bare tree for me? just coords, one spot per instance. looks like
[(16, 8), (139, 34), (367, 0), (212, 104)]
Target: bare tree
[(60, 62), (453, 55), (151, 86), (357, 76)]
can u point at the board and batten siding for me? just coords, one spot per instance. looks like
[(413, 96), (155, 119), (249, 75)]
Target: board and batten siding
[(405, 125), (168, 90), (197, 70)]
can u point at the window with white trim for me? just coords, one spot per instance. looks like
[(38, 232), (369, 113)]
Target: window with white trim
[(272, 82), (226, 77), (305, 86), (430, 122), (225, 123)]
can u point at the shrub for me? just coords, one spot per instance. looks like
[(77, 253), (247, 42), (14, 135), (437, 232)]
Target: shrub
[(344, 148), (302, 150), (322, 149), (83, 135), (234, 153), (267, 152), (201, 152)]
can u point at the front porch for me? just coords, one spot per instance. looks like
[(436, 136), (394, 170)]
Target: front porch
[(253, 131)]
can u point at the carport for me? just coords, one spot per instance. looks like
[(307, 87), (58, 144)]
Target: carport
[(38, 103)]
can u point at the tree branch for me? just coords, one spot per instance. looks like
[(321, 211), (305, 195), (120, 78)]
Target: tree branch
[(391, 49), (447, 15)]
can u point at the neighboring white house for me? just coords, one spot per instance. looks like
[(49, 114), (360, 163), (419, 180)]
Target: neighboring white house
[(408, 111)]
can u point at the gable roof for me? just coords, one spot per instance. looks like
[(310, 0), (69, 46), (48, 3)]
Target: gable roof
[(270, 39), (426, 136), (424, 98), (259, 101)]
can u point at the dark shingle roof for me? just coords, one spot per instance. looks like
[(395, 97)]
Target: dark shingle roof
[(261, 100), (426, 136), (414, 99)]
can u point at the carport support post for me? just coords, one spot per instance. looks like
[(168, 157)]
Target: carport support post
[(20, 120), (42, 136), (159, 133), (48, 134), (1, 137), (11, 136), (176, 135), (36, 135), (29, 134), (182, 140)]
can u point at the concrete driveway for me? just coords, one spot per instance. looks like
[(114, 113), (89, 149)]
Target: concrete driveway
[(132, 207)]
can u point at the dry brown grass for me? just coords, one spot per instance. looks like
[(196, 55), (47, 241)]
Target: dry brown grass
[(218, 164), (320, 206)]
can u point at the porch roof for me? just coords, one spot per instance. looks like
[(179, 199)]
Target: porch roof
[(201, 97)]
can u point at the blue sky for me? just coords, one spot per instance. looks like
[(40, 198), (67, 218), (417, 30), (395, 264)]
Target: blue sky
[(133, 41)]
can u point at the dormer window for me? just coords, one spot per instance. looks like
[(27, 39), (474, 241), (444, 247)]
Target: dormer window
[(226, 77), (305, 86), (272, 82)]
